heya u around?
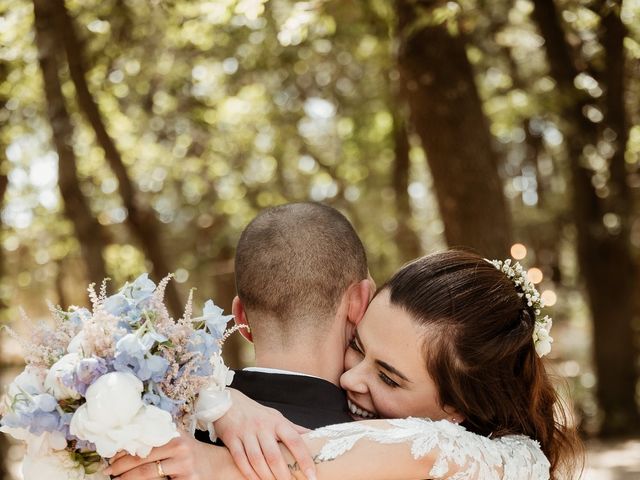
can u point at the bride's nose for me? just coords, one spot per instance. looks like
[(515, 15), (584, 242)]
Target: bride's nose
[(353, 380)]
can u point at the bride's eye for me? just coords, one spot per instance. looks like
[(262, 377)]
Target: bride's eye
[(387, 380), (354, 345)]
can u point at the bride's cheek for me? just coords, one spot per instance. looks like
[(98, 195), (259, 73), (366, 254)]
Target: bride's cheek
[(350, 359)]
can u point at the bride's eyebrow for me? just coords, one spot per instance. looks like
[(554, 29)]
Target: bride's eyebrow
[(393, 370)]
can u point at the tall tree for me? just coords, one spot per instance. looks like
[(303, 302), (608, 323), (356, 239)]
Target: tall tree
[(89, 232), (446, 112), (406, 238), (141, 219), (604, 253)]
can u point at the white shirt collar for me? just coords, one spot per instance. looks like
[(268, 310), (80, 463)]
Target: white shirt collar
[(277, 370)]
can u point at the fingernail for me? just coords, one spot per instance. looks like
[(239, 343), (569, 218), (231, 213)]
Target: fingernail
[(310, 474)]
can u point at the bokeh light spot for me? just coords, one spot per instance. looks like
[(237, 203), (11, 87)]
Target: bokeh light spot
[(535, 275), (518, 251)]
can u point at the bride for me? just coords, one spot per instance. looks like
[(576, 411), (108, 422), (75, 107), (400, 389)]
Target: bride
[(450, 347)]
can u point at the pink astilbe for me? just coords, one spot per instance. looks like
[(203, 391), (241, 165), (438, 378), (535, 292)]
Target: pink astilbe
[(230, 331), (46, 343), (188, 309), (99, 333), (93, 296), (103, 291), (187, 386), (163, 321)]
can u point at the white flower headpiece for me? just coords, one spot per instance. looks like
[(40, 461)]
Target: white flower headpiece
[(542, 339)]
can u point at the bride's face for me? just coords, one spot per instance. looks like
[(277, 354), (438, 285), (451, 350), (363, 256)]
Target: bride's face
[(386, 375)]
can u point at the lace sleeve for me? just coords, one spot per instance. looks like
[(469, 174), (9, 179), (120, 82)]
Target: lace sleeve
[(458, 453)]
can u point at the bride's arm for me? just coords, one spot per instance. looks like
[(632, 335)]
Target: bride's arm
[(367, 460), (408, 449)]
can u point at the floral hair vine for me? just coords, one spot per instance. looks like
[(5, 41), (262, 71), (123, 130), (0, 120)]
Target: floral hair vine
[(542, 339)]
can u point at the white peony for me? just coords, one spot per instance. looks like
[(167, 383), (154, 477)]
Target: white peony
[(56, 465), (54, 384), (115, 418), (213, 399)]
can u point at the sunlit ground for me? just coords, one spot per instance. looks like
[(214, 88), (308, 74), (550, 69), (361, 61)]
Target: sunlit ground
[(613, 461)]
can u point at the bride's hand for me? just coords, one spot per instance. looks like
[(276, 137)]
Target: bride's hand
[(252, 431), (183, 457)]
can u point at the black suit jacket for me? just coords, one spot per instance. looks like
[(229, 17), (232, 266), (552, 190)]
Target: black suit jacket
[(307, 401)]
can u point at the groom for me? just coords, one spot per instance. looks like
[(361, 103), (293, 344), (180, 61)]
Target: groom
[(302, 286)]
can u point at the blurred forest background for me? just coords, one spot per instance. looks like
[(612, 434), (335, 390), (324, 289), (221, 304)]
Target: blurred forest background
[(142, 135)]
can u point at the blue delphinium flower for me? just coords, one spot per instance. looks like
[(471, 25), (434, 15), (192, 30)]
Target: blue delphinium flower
[(116, 304), (206, 345), (162, 401), (86, 372), (214, 319), (36, 413), (141, 289), (78, 315), (131, 298), (133, 355)]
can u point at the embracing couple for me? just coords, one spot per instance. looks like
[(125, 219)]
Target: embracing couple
[(433, 375)]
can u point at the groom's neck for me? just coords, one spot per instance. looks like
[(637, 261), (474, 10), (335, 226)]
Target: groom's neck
[(312, 361)]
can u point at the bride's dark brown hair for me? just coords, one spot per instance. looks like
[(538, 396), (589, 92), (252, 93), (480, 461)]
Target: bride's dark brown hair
[(481, 351)]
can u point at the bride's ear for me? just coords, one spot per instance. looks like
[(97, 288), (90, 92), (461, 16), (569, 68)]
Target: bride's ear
[(240, 318), (453, 415)]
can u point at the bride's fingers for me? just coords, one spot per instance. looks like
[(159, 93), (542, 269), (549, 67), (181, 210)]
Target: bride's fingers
[(129, 462), (273, 456), (236, 449), (301, 430), (291, 439), (118, 455), (147, 471), (256, 458)]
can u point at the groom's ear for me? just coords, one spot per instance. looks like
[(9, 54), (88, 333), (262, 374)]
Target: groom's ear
[(240, 318), (360, 295)]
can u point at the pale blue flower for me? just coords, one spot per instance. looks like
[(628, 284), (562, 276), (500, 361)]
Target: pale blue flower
[(150, 338), (206, 345), (214, 319), (131, 298), (86, 372), (141, 289), (162, 401), (116, 304), (36, 413), (78, 315), (132, 355)]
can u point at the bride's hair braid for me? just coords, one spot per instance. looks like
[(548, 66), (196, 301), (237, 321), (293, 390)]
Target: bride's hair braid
[(481, 351)]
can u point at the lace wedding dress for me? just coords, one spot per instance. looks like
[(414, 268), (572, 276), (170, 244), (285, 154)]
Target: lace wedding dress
[(458, 454)]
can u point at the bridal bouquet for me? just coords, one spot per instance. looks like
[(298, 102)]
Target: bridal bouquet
[(124, 376)]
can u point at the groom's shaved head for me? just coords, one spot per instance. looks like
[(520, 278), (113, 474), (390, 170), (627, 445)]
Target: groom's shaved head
[(293, 264)]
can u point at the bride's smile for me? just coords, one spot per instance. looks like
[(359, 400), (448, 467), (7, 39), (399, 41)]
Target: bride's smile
[(386, 373)]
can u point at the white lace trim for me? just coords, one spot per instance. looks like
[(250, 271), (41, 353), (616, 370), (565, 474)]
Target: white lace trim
[(460, 454)]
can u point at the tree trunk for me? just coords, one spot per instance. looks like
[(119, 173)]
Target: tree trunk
[(141, 220), (406, 239), (604, 255), (446, 112), (88, 231)]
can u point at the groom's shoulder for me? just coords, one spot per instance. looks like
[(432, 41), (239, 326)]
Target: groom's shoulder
[(308, 401)]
